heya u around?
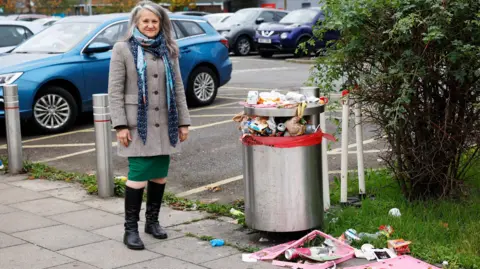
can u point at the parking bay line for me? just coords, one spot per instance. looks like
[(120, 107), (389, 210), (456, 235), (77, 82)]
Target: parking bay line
[(230, 180), (115, 143)]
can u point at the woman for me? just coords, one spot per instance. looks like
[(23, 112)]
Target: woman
[(149, 113)]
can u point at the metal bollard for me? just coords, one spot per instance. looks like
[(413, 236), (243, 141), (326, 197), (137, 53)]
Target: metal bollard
[(103, 145), (13, 130)]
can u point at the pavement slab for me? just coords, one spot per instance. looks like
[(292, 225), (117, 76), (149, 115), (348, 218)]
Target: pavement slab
[(192, 250), (17, 195), (8, 241), (41, 184), (97, 254), (89, 219), (12, 178), (72, 194), (59, 237), (116, 233), (48, 206), (23, 221), (74, 265), (164, 262), (31, 257), (170, 217), (4, 186), (113, 205), (6, 209)]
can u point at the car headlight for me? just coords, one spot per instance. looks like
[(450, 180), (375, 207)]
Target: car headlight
[(284, 35), (9, 78)]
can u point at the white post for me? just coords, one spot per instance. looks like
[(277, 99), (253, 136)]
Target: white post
[(359, 138), (13, 129), (326, 182), (344, 160)]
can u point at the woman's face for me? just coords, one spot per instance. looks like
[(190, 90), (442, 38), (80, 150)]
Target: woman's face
[(148, 23)]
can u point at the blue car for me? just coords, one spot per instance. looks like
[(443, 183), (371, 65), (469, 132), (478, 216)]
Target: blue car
[(292, 30), (59, 69)]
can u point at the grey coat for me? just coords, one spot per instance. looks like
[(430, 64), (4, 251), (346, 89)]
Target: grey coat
[(123, 99)]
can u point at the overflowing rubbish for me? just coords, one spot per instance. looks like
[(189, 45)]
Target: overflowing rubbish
[(316, 250), (236, 212), (276, 99), (399, 262), (1, 165), (217, 242), (400, 246)]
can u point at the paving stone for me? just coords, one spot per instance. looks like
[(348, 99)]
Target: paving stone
[(8, 241), (16, 195), (59, 237), (72, 194), (41, 184), (235, 262), (4, 186), (31, 257), (22, 221), (6, 209), (192, 250), (48, 206), (164, 262), (116, 233), (108, 254), (112, 205), (89, 219), (74, 265), (170, 217), (12, 178)]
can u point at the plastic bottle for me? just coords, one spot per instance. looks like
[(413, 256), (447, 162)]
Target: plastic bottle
[(217, 242)]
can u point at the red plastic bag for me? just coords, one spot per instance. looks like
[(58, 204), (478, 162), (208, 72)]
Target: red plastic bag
[(287, 141)]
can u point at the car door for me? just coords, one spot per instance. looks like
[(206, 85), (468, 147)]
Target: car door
[(96, 66), (187, 32)]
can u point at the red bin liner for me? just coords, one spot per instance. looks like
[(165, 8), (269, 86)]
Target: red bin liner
[(287, 141)]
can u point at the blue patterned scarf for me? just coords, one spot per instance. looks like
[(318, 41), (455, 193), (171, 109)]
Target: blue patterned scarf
[(139, 43)]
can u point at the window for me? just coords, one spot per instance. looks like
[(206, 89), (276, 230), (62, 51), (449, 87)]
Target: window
[(268, 16), (306, 5), (280, 15), (112, 34), (178, 31), (191, 28), (12, 35)]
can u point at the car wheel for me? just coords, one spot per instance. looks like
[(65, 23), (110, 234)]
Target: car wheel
[(300, 52), (266, 54), (243, 46), (54, 110), (202, 86)]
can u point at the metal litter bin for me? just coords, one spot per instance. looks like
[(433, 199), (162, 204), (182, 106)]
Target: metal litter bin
[(283, 186)]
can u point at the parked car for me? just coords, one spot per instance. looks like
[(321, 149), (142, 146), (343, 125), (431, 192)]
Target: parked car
[(26, 17), (47, 22), (192, 13), (59, 69), (289, 32), (240, 28), (12, 33), (216, 18)]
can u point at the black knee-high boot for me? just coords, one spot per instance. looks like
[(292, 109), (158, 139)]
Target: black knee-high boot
[(133, 204), (154, 201)]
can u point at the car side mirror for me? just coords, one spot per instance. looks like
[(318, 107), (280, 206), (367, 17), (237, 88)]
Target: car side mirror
[(260, 21), (97, 47)]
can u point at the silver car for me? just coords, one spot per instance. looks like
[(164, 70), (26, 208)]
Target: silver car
[(240, 28), (12, 33)]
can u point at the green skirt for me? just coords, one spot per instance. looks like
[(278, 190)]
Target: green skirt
[(147, 168)]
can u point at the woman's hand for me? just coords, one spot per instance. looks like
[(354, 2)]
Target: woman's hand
[(183, 133), (123, 137)]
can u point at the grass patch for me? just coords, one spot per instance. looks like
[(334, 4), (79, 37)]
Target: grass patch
[(442, 230)]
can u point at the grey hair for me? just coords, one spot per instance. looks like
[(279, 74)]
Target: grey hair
[(165, 24)]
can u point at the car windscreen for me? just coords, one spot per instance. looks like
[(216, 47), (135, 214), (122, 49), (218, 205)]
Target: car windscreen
[(300, 16), (58, 38), (12, 35), (244, 15)]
